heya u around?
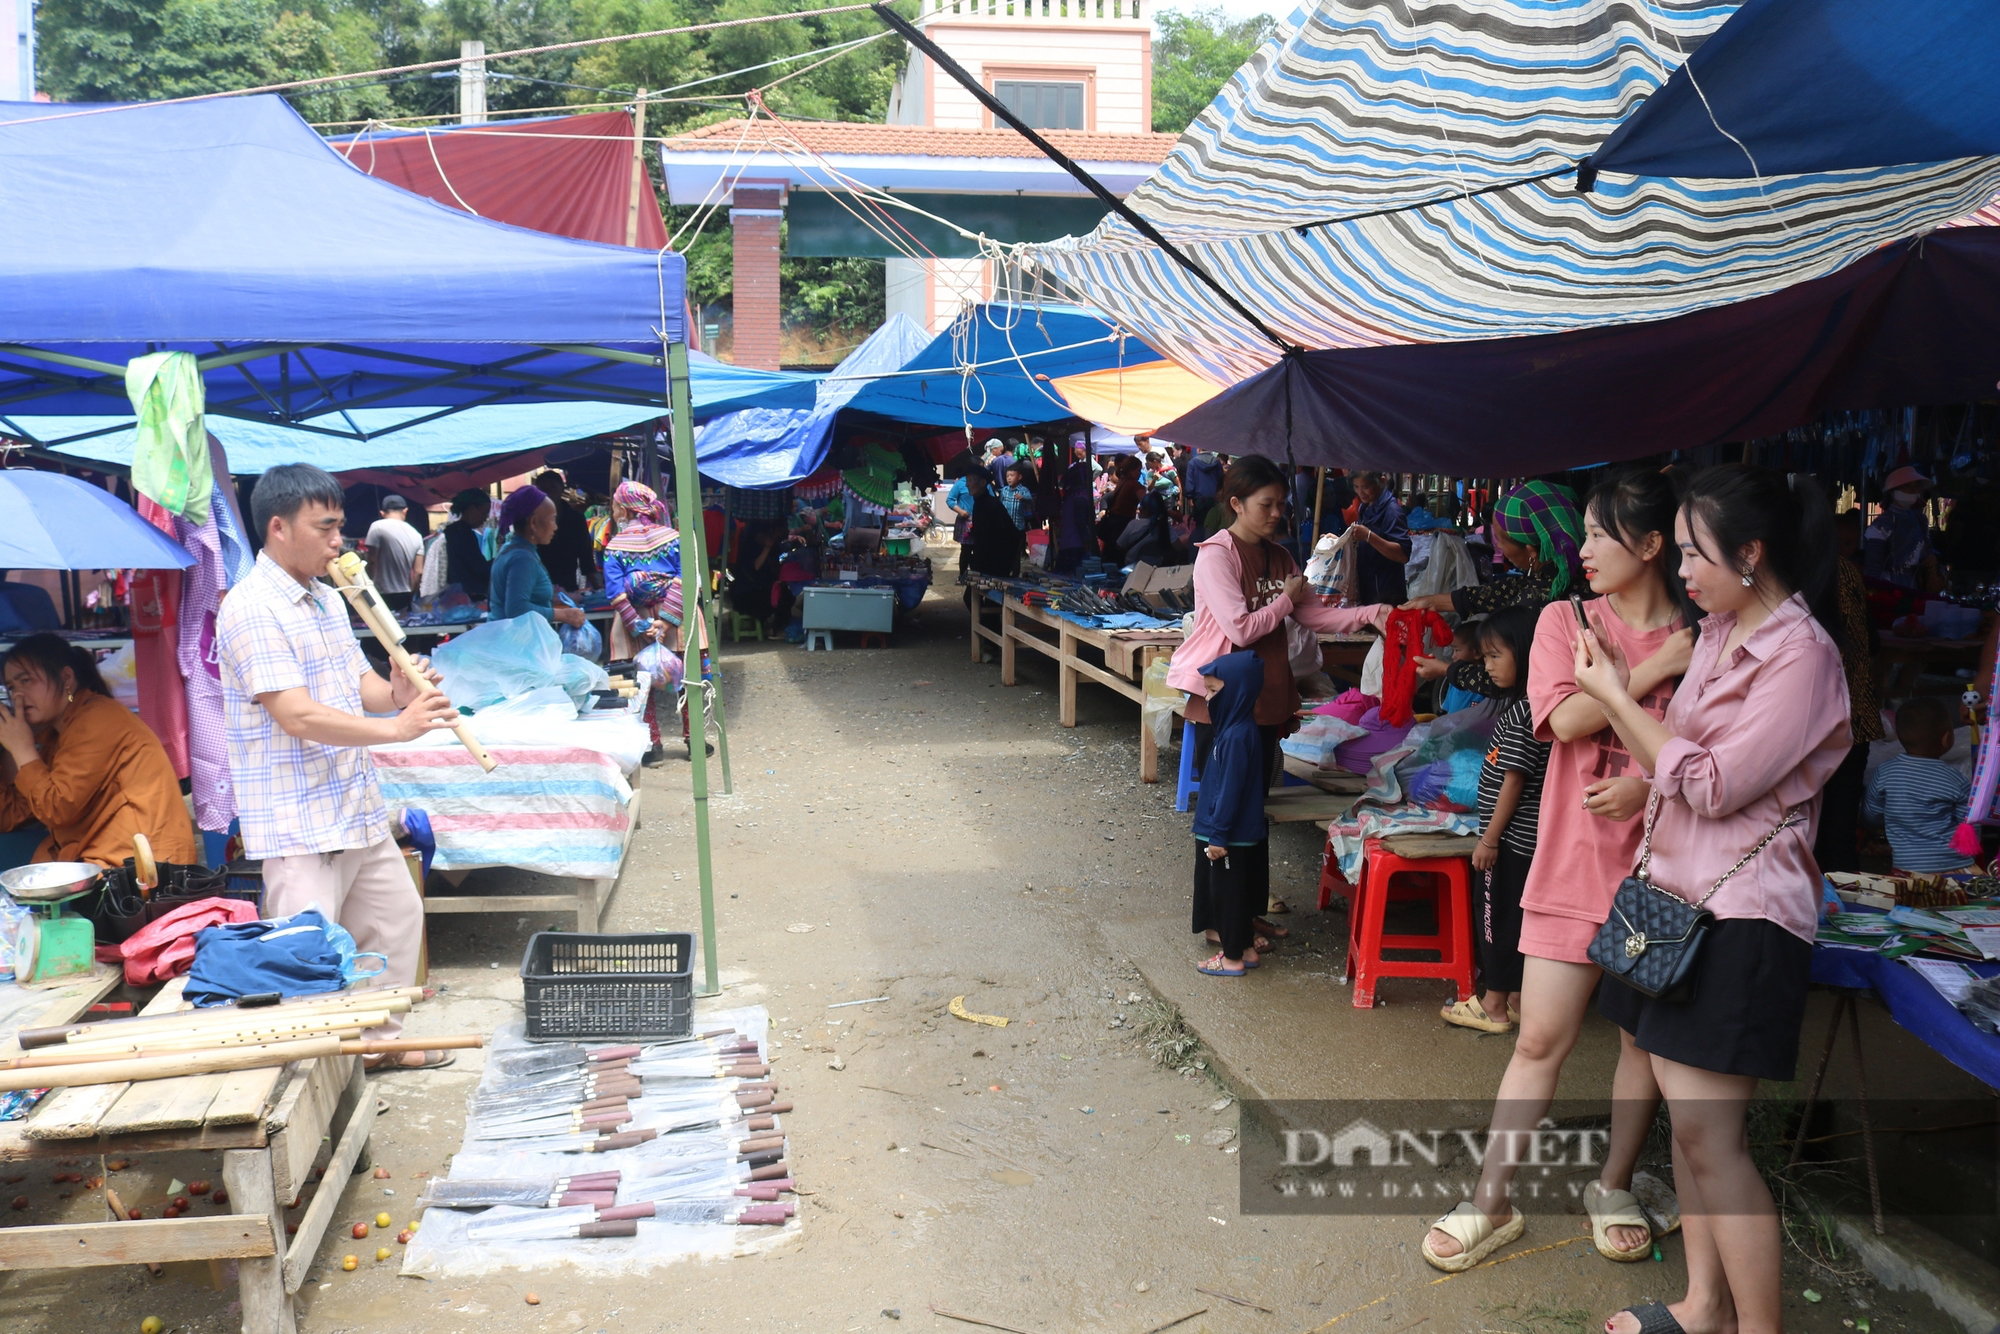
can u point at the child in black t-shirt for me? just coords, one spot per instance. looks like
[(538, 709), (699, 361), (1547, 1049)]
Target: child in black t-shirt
[(1510, 799)]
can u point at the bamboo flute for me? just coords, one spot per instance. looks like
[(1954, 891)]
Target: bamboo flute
[(348, 1047), (346, 1026), (351, 577), (396, 1000), (171, 1066)]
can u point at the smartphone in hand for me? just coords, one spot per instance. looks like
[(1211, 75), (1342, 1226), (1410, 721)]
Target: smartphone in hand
[(1576, 605)]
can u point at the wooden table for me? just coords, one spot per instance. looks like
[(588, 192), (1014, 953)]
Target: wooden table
[(587, 900), (269, 1125), (1126, 653)]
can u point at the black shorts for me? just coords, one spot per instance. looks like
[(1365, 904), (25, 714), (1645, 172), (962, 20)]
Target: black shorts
[(1748, 1006)]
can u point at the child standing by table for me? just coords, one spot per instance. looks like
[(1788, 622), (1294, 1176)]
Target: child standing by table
[(1510, 799), (1231, 838), (1916, 797)]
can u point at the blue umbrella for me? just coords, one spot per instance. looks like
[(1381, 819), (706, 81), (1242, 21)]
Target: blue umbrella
[(52, 522)]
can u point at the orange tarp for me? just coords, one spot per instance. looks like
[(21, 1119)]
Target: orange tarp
[(1135, 400)]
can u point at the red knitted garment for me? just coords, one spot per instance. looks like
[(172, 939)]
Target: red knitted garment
[(1404, 644)]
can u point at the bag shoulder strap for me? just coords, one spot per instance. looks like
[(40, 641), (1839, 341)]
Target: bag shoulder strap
[(1790, 818)]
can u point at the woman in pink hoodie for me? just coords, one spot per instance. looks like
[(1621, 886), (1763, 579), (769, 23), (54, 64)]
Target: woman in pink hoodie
[(1246, 588)]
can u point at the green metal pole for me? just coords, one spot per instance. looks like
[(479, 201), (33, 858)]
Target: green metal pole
[(694, 571)]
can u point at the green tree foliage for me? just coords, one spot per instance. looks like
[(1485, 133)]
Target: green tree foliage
[(1197, 52)]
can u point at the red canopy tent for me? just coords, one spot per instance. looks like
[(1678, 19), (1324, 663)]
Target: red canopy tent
[(568, 175)]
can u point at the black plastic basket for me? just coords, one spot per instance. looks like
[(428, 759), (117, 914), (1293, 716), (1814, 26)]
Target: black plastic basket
[(610, 987)]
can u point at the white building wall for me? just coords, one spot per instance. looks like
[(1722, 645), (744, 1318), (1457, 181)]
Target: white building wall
[(1115, 66), (17, 50)]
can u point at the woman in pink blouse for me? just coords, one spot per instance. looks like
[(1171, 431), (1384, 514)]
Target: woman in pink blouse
[(1755, 730)]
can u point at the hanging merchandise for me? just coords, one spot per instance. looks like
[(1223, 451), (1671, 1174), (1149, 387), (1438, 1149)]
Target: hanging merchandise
[(1984, 806), (170, 448), (156, 637), (874, 479), (1403, 638)]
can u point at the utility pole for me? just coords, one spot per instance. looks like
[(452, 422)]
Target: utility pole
[(472, 83), (639, 190)]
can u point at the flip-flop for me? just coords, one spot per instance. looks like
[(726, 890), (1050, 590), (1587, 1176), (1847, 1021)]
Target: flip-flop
[(1469, 1226), (1616, 1208), (1653, 1318), (1203, 967), (1271, 929), (1278, 908), (393, 1060)]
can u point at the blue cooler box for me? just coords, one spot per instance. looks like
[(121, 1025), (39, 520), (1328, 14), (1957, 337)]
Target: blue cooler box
[(829, 608)]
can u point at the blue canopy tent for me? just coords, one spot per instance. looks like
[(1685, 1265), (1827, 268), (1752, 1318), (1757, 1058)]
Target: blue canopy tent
[(306, 290), (1793, 86), (414, 437), (993, 369), (765, 448)]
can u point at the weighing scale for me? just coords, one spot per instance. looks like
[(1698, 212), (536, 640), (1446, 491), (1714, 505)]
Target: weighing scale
[(49, 945)]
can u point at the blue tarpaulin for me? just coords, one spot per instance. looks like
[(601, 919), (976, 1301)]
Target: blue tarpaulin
[(229, 229), (412, 437), (765, 448), (1793, 86), (1012, 353)]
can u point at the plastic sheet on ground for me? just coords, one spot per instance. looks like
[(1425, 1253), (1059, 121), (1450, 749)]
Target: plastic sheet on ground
[(441, 1248)]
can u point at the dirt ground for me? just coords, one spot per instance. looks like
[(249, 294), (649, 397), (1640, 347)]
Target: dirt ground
[(942, 836)]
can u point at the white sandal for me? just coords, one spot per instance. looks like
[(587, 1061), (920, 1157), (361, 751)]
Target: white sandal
[(1616, 1208), (1469, 1226)]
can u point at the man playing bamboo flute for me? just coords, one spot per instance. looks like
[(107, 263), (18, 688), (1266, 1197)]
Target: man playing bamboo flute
[(296, 692)]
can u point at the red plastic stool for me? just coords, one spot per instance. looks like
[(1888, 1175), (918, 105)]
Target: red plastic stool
[(881, 640), (1447, 883)]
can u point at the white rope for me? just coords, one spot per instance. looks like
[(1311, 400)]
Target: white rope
[(700, 219), (430, 144)]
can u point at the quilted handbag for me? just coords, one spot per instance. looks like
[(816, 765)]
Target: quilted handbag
[(1652, 940)]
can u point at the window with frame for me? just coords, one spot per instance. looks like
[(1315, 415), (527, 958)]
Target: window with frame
[(1043, 106)]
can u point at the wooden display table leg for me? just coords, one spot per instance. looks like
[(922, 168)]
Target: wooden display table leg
[(1006, 642), (1066, 676), (267, 1307)]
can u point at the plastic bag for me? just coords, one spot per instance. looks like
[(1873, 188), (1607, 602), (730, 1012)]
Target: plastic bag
[(1157, 712), (580, 676), (582, 641), (662, 664), (500, 659)]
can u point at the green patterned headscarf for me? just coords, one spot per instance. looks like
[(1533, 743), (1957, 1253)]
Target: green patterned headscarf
[(1542, 517)]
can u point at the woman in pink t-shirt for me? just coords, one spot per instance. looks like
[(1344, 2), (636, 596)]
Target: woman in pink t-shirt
[(1586, 842), (1758, 726)]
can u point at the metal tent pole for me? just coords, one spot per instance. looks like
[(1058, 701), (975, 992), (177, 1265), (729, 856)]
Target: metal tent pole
[(694, 569)]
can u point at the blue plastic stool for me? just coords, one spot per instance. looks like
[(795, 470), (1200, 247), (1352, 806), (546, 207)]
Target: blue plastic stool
[(1188, 784)]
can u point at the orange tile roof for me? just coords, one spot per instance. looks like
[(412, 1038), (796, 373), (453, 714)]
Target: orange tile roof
[(918, 141)]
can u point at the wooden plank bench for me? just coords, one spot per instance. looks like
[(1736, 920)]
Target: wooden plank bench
[(271, 1126)]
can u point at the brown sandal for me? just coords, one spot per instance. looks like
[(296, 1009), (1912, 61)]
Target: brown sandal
[(430, 1060)]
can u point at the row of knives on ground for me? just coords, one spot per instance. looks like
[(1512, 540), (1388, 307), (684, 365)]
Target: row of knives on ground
[(702, 1109)]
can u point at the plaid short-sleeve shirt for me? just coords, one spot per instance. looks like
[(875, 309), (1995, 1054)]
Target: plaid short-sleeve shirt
[(294, 797)]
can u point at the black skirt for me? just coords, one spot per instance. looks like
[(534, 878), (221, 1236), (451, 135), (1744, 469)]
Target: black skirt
[(1748, 1006)]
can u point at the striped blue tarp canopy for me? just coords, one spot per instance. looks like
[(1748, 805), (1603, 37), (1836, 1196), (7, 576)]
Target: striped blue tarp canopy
[(1403, 171)]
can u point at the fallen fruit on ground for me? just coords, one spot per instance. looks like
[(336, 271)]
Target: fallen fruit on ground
[(358, 1231), (152, 1324), (383, 1220), (349, 1262), (532, 1300), (381, 1174), (382, 1253), (403, 1237), (220, 1197), (197, 1188)]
